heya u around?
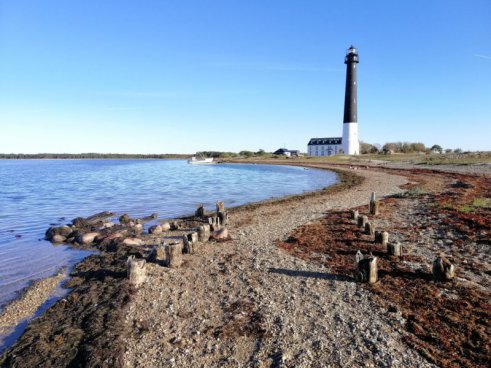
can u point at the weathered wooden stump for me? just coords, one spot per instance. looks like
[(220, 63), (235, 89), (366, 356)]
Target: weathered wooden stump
[(220, 207), (354, 214), (369, 228), (136, 271), (187, 245), (174, 255), (204, 233), (214, 223), (223, 217), (362, 220), (443, 270), (221, 234), (158, 254), (367, 270), (374, 205), (394, 249), (174, 225), (200, 212)]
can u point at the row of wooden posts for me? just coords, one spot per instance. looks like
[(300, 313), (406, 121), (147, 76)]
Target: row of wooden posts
[(366, 270), (170, 255)]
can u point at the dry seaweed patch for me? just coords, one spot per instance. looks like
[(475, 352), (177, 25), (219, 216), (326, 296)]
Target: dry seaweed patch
[(242, 318), (448, 323)]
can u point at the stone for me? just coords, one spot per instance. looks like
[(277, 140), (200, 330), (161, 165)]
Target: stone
[(221, 234), (442, 269), (155, 229), (165, 226), (86, 238), (133, 241), (124, 219), (174, 255), (204, 233), (58, 238)]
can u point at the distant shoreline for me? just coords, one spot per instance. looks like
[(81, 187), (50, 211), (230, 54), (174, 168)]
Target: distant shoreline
[(92, 156)]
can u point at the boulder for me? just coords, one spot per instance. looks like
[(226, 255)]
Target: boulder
[(155, 229), (443, 270), (124, 219), (58, 238), (165, 226), (58, 230), (87, 238), (221, 234), (132, 241)]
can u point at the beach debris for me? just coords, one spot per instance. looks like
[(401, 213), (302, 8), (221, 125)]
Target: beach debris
[(200, 212), (374, 205), (443, 270), (136, 271), (394, 249), (132, 241), (204, 232), (369, 228), (362, 220), (174, 255), (366, 270), (91, 220), (144, 220), (354, 214)]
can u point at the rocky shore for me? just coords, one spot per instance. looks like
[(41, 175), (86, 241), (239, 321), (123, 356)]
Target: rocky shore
[(281, 291)]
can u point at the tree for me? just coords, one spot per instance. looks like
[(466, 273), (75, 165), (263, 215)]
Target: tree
[(436, 148), (366, 148)]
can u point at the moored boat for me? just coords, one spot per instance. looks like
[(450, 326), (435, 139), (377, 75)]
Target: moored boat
[(201, 160)]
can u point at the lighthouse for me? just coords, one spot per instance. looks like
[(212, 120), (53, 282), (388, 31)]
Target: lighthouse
[(348, 143), (351, 145)]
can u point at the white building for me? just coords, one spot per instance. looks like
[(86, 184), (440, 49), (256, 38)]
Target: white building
[(325, 146)]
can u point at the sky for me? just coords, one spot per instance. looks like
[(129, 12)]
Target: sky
[(180, 76)]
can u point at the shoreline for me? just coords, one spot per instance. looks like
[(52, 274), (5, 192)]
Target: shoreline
[(138, 331), (24, 300)]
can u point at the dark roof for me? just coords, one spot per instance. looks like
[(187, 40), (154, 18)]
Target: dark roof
[(320, 141), (280, 151)]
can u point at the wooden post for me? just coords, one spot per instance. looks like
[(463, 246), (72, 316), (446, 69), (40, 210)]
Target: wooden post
[(362, 220), (174, 255), (367, 270), (220, 207), (200, 212), (158, 254), (136, 271), (374, 205), (223, 217), (369, 228), (394, 249), (354, 214), (214, 223), (204, 233), (443, 270), (188, 245), (384, 238)]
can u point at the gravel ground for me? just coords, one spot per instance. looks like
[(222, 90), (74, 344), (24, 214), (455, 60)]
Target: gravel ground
[(247, 303), (28, 303)]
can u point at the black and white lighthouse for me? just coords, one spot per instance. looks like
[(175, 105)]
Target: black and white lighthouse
[(351, 145)]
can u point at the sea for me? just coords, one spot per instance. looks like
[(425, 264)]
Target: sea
[(37, 194)]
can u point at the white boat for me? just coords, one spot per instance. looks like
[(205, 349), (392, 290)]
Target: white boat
[(201, 160)]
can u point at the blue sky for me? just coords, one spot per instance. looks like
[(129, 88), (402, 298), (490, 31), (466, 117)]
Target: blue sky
[(182, 76)]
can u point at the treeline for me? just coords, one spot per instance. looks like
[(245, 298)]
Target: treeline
[(403, 147), (219, 154), (21, 156)]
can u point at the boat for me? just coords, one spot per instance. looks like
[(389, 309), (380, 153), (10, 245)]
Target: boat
[(201, 160)]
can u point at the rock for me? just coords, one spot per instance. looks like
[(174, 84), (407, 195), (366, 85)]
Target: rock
[(108, 224), (58, 230), (86, 238), (138, 227), (443, 270), (124, 219), (58, 238), (200, 212), (156, 229), (221, 234), (132, 241), (165, 226)]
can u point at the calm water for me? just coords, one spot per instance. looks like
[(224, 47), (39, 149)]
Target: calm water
[(35, 194)]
